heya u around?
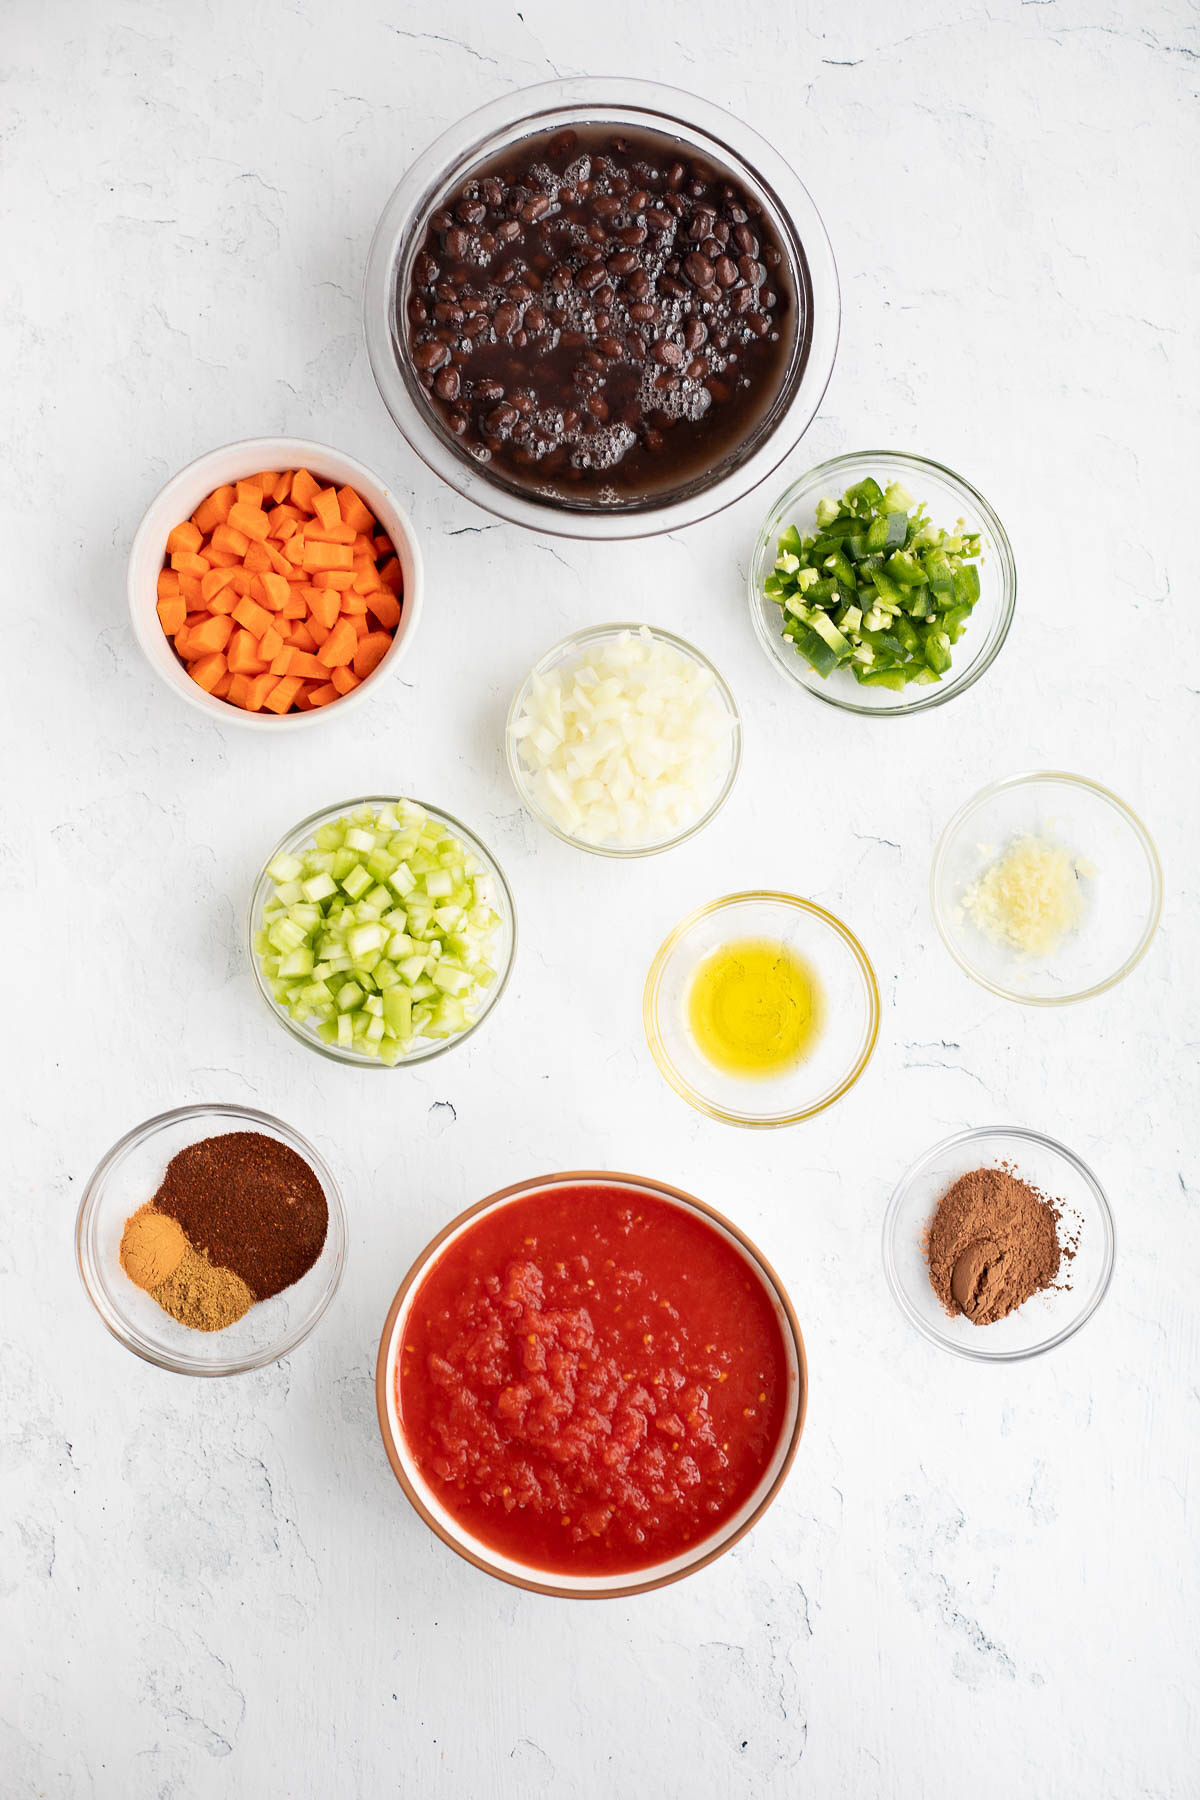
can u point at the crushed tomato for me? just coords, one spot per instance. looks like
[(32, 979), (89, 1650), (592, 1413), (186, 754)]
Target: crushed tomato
[(592, 1379)]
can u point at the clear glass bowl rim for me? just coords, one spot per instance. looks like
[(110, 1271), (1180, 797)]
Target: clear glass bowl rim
[(139, 1134), (579, 640), (467, 141), (891, 1219), (1028, 778), (437, 1047), (471, 1549), (666, 1067), (929, 697)]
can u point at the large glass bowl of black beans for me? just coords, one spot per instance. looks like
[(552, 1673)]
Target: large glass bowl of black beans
[(601, 308)]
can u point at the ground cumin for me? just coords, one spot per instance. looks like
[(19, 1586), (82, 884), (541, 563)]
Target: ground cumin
[(992, 1243), (204, 1298)]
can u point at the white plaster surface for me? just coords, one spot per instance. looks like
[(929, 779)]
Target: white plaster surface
[(976, 1580)]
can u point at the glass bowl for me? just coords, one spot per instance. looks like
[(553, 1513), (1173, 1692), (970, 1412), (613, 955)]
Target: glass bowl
[(300, 838), (571, 649), (614, 1585), (1123, 897), (948, 498), (840, 1054), (1046, 1319), (130, 1175), (700, 128)]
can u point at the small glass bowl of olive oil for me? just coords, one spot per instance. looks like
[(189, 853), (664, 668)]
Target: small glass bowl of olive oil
[(761, 1009)]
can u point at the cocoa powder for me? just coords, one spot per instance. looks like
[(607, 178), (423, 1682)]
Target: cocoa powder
[(992, 1243)]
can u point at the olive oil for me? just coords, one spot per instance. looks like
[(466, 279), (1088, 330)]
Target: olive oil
[(755, 1007)]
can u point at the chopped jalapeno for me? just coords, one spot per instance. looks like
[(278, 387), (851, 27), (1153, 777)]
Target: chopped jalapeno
[(876, 589)]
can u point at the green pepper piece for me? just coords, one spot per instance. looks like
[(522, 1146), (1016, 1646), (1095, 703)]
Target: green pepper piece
[(887, 588), (905, 569), (877, 532), (868, 491), (907, 633), (840, 569), (966, 585), (937, 653), (921, 605), (789, 542), (954, 620), (896, 679), (812, 648)]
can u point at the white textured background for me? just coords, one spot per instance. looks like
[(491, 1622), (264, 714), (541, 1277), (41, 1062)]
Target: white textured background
[(979, 1579)]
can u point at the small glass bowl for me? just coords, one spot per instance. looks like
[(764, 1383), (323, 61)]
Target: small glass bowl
[(840, 1054), (1046, 1319), (300, 838), (572, 649), (701, 130), (130, 1175), (1123, 898), (947, 498)]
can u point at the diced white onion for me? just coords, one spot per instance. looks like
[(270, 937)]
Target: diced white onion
[(626, 747)]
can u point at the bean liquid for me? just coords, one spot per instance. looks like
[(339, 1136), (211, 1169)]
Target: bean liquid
[(600, 319)]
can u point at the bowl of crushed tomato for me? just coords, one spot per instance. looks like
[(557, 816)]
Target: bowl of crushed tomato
[(591, 1385)]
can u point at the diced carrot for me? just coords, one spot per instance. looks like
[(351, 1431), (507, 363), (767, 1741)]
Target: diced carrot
[(243, 654), (270, 644), (279, 562), (282, 695), (353, 605), (326, 556), (254, 617), (226, 538), (353, 510), (330, 534), (303, 489), (316, 631), (339, 646), (371, 651), (260, 689), (221, 691), (359, 622), (257, 558), (239, 687), (366, 576), (189, 587), (325, 504), (190, 562), (392, 576), (242, 581), (302, 702), (344, 679), (281, 664), (324, 604), (221, 559), (215, 510), (171, 613), (249, 519), (276, 592), (302, 637), (386, 608), (210, 637), (383, 545), (341, 579), (250, 493), (295, 606), (168, 583), (283, 486), (292, 550), (184, 537), (285, 529), (208, 670), (308, 666), (321, 696), (225, 601), (212, 583)]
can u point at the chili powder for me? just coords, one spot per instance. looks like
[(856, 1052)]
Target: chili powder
[(249, 1203)]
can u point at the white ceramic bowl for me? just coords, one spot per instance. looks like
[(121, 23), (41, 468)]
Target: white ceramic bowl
[(180, 498), (617, 1584)]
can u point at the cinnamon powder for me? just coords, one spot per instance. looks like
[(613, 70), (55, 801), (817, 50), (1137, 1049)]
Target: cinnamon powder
[(992, 1243)]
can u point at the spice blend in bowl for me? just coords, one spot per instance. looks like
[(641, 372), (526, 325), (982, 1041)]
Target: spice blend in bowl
[(211, 1239), (238, 1218)]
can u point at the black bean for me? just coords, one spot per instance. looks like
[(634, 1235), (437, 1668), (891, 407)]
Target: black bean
[(470, 212), (430, 355), (510, 229), (751, 271), (590, 277), (697, 369), (694, 333), (501, 418), (505, 319), (535, 209), (456, 241), (743, 300), (745, 240), (727, 273), (668, 352), (698, 269), (447, 384)]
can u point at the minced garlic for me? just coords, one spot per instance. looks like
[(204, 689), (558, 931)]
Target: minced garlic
[(1030, 898)]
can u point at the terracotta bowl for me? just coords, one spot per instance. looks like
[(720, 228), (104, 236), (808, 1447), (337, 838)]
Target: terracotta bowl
[(616, 1584)]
